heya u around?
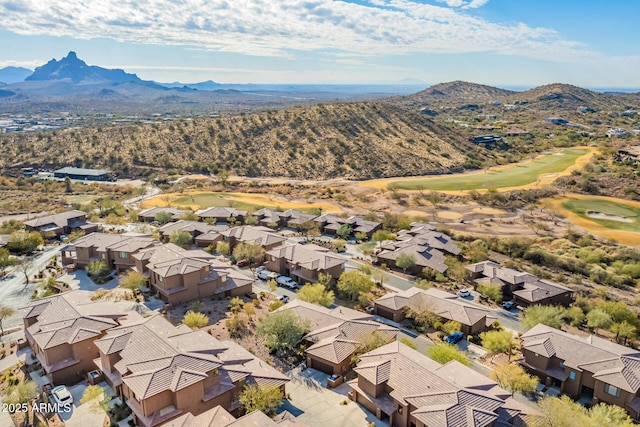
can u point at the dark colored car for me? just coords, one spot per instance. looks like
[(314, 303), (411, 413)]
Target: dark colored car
[(454, 337), (509, 305), (242, 263)]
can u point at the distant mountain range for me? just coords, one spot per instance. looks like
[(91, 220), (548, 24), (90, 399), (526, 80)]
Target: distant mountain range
[(12, 74)]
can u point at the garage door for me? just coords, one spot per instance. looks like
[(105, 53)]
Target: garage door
[(321, 366)]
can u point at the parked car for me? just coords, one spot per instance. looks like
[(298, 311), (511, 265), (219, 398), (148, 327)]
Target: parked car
[(267, 275), (508, 305), (283, 298), (242, 263), (259, 269), (463, 293), (286, 282), (454, 337), (61, 395)]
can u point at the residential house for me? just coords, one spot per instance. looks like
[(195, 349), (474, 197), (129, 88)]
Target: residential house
[(61, 224), (219, 417), (163, 372), (336, 334), (179, 275), (524, 288), (405, 387), (252, 235), (330, 224), (630, 154), (194, 228), (149, 215), (394, 306), (62, 328), (616, 133), (557, 121), (291, 218), (590, 368), (425, 234), (222, 215), (116, 250), (84, 174), (304, 263), (489, 140)]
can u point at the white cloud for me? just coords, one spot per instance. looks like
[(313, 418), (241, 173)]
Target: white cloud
[(465, 4), (283, 27), (26, 64)]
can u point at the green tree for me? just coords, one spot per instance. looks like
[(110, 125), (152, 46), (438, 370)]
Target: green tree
[(619, 312), (5, 260), (598, 319), (367, 248), (67, 185), (282, 330), (564, 412), (195, 320), (97, 268), (360, 236), (5, 312), (549, 315), (236, 304), (451, 326), (575, 315), (253, 254), (163, 217), (444, 353), (198, 305), (624, 330), (133, 281), (497, 342), (223, 177), (369, 342), (344, 231), (22, 242), (609, 415), (21, 393), (182, 238), (223, 248), (250, 220), (405, 261), (493, 291), (513, 378), (409, 342), (264, 399), (382, 235), (353, 283), (93, 392), (316, 294)]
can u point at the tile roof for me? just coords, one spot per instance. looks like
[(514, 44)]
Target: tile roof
[(152, 212), (442, 303), (609, 362), (102, 242), (413, 378), (190, 226), (219, 417), (254, 235), (220, 212), (423, 255), (156, 356), (358, 223), (60, 220), (312, 257), (321, 317), (425, 235), (70, 317)]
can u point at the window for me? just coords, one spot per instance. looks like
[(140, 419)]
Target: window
[(400, 409), (572, 375), (562, 364), (612, 390), (123, 255)]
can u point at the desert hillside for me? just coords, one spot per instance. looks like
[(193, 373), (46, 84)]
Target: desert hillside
[(350, 140)]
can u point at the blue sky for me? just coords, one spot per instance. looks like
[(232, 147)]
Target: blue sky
[(591, 43)]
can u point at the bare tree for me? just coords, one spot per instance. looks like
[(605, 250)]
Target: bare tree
[(25, 264)]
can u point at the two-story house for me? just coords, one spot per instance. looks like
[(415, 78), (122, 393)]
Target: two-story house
[(163, 372), (61, 224), (116, 250), (61, 330), (291, 218), (303, 263), (252, 235), (407, 389), (149, 215), (221, 215), (330, 224), (195, 228), (584, 367), (179, 275), (524, 288)]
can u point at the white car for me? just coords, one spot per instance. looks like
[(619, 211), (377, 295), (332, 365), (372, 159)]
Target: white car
[(266, 275), (463, 293), (287, 282), (62, 396), (284, 299)]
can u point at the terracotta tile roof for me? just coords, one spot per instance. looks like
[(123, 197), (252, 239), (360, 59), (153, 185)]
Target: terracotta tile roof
[(609, 362), (254, 235), (442, 303), (321, 317), (128, 242), (425, 235), (70, 317), (312, 257), (424, 255), (219, 417)]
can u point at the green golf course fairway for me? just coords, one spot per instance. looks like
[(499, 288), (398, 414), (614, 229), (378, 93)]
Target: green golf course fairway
[(519, 175), (582, 207)]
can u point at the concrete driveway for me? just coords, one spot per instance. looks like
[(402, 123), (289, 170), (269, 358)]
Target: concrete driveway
[(88, 414), (317, 406)]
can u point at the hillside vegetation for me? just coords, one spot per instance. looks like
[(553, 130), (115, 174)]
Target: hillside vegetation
[(349, 140)]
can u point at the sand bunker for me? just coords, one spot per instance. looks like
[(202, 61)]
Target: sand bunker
[(600, 215), (489, 211), (416, 213), (449, 215)]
